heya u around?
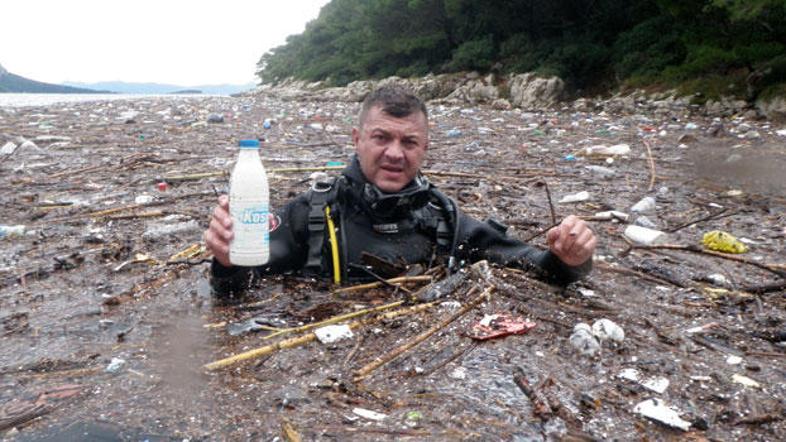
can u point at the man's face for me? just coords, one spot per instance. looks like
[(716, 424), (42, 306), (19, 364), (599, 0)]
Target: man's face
[(391, 149)]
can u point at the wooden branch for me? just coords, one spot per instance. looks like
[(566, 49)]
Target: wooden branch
[(202, 175), (652, 166), (626, 271), (373, 285), (334, 319), (778, 269), (301, 340), (366, 370)]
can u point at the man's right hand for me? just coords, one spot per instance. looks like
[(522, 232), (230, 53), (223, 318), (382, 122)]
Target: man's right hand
[(219, 233)]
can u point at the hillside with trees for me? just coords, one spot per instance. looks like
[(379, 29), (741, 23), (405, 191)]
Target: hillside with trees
[(714, 47), (12, 83)]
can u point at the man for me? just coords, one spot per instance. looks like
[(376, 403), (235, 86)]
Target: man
[(382, 215)]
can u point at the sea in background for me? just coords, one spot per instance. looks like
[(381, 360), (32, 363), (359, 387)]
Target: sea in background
[(26, 99)]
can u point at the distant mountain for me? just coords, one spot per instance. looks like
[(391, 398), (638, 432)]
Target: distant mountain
[(159, 88), (14, 83)]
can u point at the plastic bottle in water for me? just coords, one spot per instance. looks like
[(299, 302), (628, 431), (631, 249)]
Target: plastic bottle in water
[(249, 208)]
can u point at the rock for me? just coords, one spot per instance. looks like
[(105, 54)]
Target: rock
[(501, 104), (716, 129), (474, 92), (774, 108), (687, 139), (215, 118), (530, 92)]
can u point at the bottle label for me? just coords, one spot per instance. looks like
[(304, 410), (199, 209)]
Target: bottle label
[(255, 215)]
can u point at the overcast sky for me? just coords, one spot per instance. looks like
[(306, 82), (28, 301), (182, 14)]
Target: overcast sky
[(184, 42)]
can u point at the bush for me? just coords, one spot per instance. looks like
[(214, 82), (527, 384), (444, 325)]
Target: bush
[(473, 55)]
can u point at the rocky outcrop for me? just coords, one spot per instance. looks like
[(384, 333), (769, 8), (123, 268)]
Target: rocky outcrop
[(528, 91), (773, 108), (475, 91)]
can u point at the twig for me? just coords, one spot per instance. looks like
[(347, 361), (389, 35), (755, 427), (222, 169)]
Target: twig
[(652, 165), (625, 271), (766, 288), (540, 404), (301, 340), (373, 285), (354, 350), (378, 278), (202, 175), (538, 234), (705, 218), (473, 345), (363, 372), (778, 269), (334, 319), (551, 204)]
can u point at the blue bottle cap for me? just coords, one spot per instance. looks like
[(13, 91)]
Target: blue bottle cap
[(250, 144)]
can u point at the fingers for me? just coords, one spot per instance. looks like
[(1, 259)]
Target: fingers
[(219, 233), (572, 241), (223, 202), (552, 235), (580, 248)]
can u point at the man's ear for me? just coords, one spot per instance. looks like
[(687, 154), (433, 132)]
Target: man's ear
[(355, 136)]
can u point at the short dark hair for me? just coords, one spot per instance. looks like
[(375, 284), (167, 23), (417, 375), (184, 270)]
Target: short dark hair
[(395, 101)]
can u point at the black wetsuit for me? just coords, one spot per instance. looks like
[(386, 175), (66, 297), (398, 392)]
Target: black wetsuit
[(402, 237)]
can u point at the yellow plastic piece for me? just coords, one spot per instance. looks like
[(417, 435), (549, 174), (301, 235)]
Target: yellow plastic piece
[(333, 246), (723, 242)]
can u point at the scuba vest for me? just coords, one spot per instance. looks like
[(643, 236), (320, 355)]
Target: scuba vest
[(419, 208)]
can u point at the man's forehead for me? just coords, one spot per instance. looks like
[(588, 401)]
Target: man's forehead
[(377, 118)]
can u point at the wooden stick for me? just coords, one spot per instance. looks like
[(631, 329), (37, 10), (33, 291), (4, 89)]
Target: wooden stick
[(201, 175), (551, 204), (652, 165), (334, 319), (151, 214), (301, 340), (373, 285), (387, 357), (704, 218), (602, 266), (778, 269)]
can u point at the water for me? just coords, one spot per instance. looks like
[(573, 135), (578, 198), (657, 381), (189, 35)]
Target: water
[(22, 100)]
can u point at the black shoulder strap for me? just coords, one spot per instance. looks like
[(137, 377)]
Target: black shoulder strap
[(447, 226), (320, 195)]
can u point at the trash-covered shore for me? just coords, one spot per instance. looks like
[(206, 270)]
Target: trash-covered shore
[(108, 327)]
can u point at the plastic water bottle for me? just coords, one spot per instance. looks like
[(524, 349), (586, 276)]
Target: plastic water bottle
[(249, 208)]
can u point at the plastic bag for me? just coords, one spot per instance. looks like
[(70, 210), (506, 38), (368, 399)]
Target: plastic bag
[(723, 242)]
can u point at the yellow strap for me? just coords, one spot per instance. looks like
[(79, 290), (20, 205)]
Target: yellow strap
[(333, 246)]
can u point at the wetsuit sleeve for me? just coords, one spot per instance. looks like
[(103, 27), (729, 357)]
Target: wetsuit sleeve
[(479, 240), (288, 252)]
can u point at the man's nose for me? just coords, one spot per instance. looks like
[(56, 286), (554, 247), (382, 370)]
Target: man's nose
[(395, 151)]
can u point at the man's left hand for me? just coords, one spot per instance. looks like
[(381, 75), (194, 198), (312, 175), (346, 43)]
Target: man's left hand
[(572, 241)]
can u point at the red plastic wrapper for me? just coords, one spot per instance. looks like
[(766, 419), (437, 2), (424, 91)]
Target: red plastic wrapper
[(497, 326)]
